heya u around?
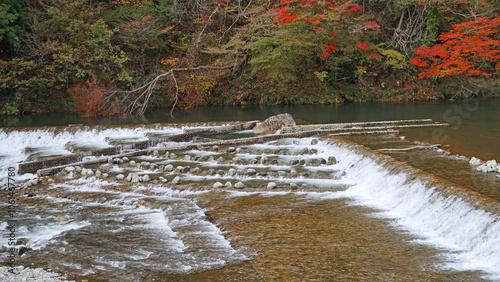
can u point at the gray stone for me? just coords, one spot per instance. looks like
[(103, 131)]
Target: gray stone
[(153, 166), (293, 186), (211, 171), (231, 172), (251, 172), (185, 169), (98, 173), (145, 178), (293, 173), (132, 163), (281, 173), (240, 172), (305, 186), (332, 160), (239, 185), (169, 167), (83, 171), (187, 157), (238, 150), (231, 149), (110, 160), (155, 153), (271, 185), (273, 124), (120, 176), (78, 169), (135, 178), (125, 159), (172, 156), (176, 180), (218, 185), (129, 177), (221, 172), (70, 169), (178, 169), (105, 175), (220, 160), (263, 159), (215, 148), (195, 170), (228, 185), (235, 160), (211, 159)]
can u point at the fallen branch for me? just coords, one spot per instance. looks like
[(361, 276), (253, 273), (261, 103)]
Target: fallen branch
[(411, 148)]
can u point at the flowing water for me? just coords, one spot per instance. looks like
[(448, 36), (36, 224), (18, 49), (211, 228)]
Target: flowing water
[(366, 217)]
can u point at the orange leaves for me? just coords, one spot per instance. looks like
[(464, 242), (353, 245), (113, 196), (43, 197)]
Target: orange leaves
[(331, 48), (283, 16), (362, 45), (470, 49), (167, 29)]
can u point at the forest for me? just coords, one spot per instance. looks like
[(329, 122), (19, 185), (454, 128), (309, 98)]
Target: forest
[(122, 57)]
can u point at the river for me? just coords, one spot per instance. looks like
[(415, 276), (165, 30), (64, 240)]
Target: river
[(366, 217)]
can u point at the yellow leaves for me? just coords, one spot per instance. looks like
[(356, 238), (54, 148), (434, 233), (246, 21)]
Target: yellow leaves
[(170, 61)]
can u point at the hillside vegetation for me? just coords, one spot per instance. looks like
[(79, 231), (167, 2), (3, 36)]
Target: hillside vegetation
[(119, 57)]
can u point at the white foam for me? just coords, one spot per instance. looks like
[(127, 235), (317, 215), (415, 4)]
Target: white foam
[(471, 236)]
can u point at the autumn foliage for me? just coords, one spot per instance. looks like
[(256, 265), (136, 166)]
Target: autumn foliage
[(90, 99), (470, 49)]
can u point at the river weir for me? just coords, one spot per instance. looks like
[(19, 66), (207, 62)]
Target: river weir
[(292, 207)]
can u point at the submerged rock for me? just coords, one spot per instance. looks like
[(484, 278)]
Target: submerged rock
[(228, 185), (273, 124), (239, 185), (293, 186), (251, 172)]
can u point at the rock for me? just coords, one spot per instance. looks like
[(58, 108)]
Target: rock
[(155, 153), (110, 160), (129, 177), (271, 185), (135, 178), (305, 186), (314, 142), (98, 173), (185, 169), (69, 169), (498, 175), (178, 169), (195, 170), (240, 172), (120, 176), (221, 172), (273, 124), (176, 180), (187, 157), (231, 172), (125, 159), (293, 186), (173, 156), (239, 185), (105, 175), (263, 159), (215, 148), (281, 173), (228, 185), (83, 171), (132, 163), (145, 178), (475, 161), (251, 172), (211, 171), (231, 149), (235, 160), (220, 160), (62, 218), (238, 150), (89, 172), (332, 160), (153, 166), (218, 185), (293, 173), (169, 167)]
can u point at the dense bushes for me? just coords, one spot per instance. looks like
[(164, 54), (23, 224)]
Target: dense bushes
[(87, 56)]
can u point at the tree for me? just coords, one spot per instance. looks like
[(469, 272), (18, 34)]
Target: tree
[(12, 17), (471, 49)]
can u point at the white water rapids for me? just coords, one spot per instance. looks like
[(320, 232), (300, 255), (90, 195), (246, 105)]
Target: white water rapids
[(469, 238)]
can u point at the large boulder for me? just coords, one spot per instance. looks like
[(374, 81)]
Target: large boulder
[(273, 124)]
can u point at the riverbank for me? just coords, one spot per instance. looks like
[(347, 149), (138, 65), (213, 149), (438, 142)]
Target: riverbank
[(29, 274)]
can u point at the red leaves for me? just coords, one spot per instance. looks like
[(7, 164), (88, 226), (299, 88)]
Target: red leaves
[(355, 8), (362, 45), (283, 16), (469, 46)]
